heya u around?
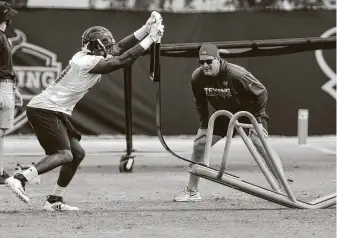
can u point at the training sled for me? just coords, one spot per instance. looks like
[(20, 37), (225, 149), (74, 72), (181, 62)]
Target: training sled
[(219, 176), (284, 197)]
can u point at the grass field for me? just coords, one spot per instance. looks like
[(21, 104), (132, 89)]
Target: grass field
[(140, 204)]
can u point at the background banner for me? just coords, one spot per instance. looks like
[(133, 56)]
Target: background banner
[(46, 39)]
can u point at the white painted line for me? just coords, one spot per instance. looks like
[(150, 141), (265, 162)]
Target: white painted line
[(323, 139), (149, 154), (320, 149)]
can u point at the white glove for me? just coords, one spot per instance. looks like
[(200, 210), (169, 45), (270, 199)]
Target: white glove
[(154, 18), (157, 31)]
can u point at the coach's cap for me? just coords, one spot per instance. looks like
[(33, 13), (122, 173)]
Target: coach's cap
[(208, 51), (6, 12)]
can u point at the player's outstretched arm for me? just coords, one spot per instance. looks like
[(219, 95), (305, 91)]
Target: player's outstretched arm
[(114, 63), (133, 39)]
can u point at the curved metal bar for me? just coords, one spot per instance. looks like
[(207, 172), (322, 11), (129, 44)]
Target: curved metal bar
[(258, 191), (207, 155), (229, 137), (258, 160), (244, 125), (155, 77), (325, 204), (210, 128), (266, 147), (152, 62), (155, 62), (324, 201), (158, 125)]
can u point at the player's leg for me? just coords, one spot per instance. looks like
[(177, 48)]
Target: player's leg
[(2, 177), (67, 171), (3, 174), (191, 192), (52, 136), (2, 135), (259, 147)]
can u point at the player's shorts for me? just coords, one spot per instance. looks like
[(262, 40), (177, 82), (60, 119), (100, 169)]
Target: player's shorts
[(221, 125), (52, 129), (7, 98)]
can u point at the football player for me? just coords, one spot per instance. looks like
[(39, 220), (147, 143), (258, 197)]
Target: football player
[(49, 112)]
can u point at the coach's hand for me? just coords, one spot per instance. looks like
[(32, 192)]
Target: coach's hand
[(201, 133), (18, 98)]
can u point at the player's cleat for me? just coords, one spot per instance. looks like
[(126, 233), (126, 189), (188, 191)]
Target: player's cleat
[(18, 187), (3, 177), (188, 196), (55, 203)]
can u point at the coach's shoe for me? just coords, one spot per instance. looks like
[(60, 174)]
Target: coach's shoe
[(188, 196), (17, 184), (55, 203)]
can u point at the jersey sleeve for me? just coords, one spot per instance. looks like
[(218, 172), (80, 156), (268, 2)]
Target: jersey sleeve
[(89, 61), (125, 44), (2, 43), (127, 58), (200, 100), (258, 94)]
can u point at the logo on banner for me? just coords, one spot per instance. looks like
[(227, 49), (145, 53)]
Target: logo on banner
[(35, 68), (330, 86)]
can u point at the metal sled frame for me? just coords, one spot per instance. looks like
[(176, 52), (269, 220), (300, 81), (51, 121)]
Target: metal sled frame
[(219, 176), (229, 180)]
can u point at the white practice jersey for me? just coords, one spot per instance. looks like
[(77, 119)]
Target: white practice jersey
[(73, 83)]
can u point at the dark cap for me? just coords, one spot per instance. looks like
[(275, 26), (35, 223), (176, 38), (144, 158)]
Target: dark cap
[(207, 51), (6, 12)]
